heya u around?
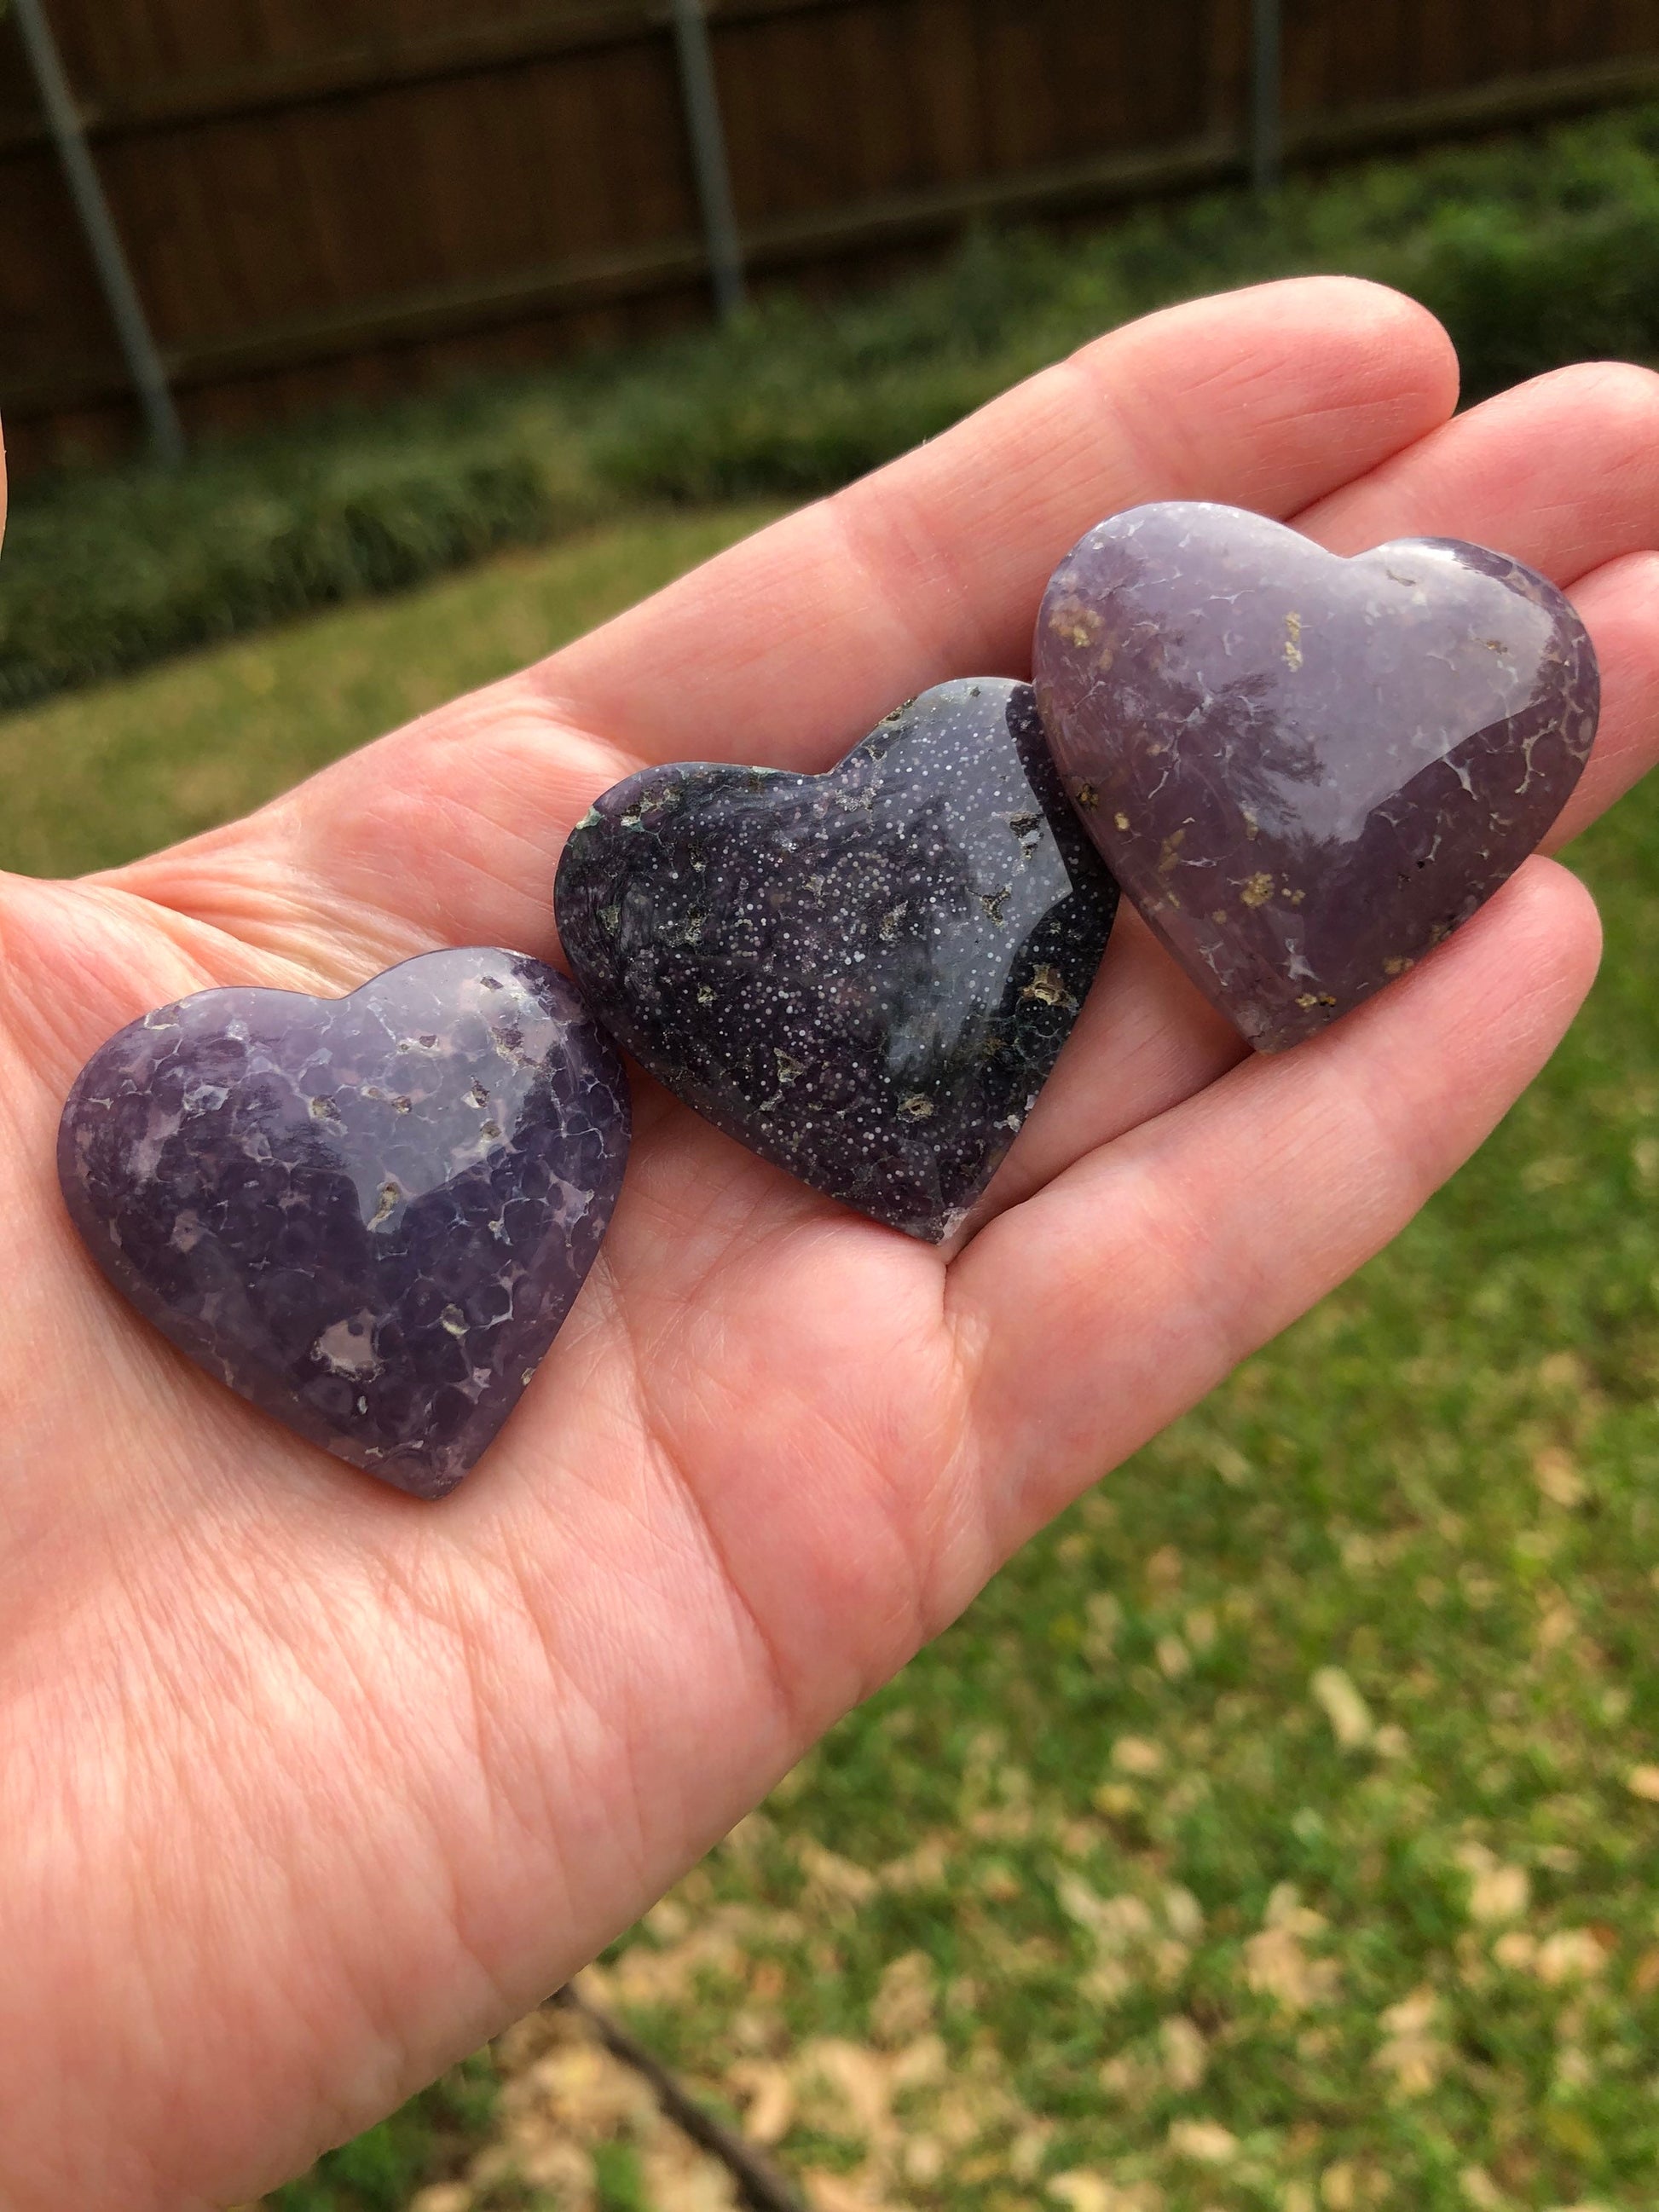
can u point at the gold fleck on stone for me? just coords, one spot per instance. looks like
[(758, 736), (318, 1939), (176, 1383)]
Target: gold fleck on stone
[(1257, 890), (1078, 625), (1048, 986)]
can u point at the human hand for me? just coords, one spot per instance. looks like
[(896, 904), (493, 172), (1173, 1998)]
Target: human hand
[(307, 1787)]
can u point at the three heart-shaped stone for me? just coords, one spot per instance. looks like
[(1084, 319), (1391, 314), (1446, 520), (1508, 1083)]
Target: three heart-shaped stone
[(1306, 771), (865, 976), (369, 1215)]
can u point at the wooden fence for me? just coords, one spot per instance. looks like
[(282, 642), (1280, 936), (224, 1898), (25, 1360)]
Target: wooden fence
[(322, 197)]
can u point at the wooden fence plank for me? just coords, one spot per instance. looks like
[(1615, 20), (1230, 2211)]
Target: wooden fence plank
[(313, 191)]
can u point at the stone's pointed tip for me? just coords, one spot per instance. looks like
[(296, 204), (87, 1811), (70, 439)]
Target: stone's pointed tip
[(1307, 771), (412, 1478), (863, 975), (368, 1214)]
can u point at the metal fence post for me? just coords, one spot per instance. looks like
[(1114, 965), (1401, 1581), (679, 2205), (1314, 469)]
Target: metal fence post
[(707, 135), (1267, 95), (137, 343)]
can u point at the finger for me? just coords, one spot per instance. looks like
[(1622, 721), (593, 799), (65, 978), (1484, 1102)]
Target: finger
[(793, 645), (1101, 1308), (1619, 604), (1562, 472), (789, 648)]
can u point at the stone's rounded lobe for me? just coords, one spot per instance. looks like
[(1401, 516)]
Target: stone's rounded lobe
[(865, 977), (1306, 770), (369, 1215)]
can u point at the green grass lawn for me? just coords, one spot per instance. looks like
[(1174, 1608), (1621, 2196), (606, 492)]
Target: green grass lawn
[(1265, 1836)]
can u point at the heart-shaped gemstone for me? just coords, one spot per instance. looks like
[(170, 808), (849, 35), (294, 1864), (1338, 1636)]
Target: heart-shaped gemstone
[(370, 1214), (865, 976), (1306, 770)]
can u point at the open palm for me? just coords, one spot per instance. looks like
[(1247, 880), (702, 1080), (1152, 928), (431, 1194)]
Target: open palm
[(308, 1788)]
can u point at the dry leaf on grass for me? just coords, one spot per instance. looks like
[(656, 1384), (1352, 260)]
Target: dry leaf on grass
[(563, 2096), (1349, 1715), (767, 2097), (442, 2196), (1275, 1963), (1205, 2143), (1086, 2191), (1412, 2054), (1186, 2054), (1558, 1477), (903, 2005), (1571, 1954), (842, 2192), (833, 1884), (680, 2178), (1497, 1890)]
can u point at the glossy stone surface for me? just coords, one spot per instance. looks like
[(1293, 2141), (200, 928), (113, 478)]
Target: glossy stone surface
[(1305, 770), (370, 1214), (865, 976)]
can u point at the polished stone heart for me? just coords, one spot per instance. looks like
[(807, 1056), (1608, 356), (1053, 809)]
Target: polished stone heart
[(865, 976), (1306, 771), (369, 1215)]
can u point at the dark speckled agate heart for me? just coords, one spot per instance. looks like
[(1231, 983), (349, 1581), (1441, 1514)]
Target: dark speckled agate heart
[(1305, 770), (369, 1215), (865, 976)]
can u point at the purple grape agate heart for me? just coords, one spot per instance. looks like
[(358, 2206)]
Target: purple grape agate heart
[(1305, 771), (369, 1215)]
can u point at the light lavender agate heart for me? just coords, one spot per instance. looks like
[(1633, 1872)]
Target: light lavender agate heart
[(370, 1214), (1306, 771)]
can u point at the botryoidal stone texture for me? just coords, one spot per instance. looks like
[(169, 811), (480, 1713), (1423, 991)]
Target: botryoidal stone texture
[(369, 1215), (867, 976), (1306, 771)]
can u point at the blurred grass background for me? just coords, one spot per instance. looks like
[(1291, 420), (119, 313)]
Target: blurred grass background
[(97, 776), (1280, 1829)]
